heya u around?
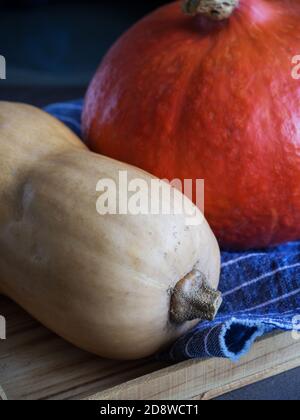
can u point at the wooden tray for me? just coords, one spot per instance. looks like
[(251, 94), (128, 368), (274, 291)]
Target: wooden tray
[(35, 364)]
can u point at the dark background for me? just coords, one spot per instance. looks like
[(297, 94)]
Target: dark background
[(60, 43), (52, 49)]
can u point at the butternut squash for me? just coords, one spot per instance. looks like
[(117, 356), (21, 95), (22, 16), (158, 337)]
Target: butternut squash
[(119, 286)]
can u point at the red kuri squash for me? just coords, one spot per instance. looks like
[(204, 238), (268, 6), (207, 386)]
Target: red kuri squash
[(210, 96)]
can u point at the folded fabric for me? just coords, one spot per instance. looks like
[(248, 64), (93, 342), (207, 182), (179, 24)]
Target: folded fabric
[(261, 290)]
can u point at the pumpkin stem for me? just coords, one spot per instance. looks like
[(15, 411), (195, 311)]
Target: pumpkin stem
[(193, 299), (214, 9)]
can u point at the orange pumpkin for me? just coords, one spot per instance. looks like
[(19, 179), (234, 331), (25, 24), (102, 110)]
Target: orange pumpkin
[(193, 97)]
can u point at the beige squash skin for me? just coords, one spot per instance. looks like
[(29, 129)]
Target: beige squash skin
[(101, 282)]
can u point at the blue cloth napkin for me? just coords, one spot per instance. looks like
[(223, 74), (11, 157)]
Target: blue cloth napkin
[(261, 290)]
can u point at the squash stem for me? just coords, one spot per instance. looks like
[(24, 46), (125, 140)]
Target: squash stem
[(214, 9), (194, 299)]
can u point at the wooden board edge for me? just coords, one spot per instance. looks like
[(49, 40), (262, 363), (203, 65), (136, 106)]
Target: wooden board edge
[(252, 379), (206, 379)]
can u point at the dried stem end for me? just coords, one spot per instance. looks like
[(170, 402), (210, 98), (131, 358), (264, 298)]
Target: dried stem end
[(194, 299), (214, 9)]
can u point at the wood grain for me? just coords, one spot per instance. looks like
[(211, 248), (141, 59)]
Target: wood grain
[(35, 364), (202, 380)]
